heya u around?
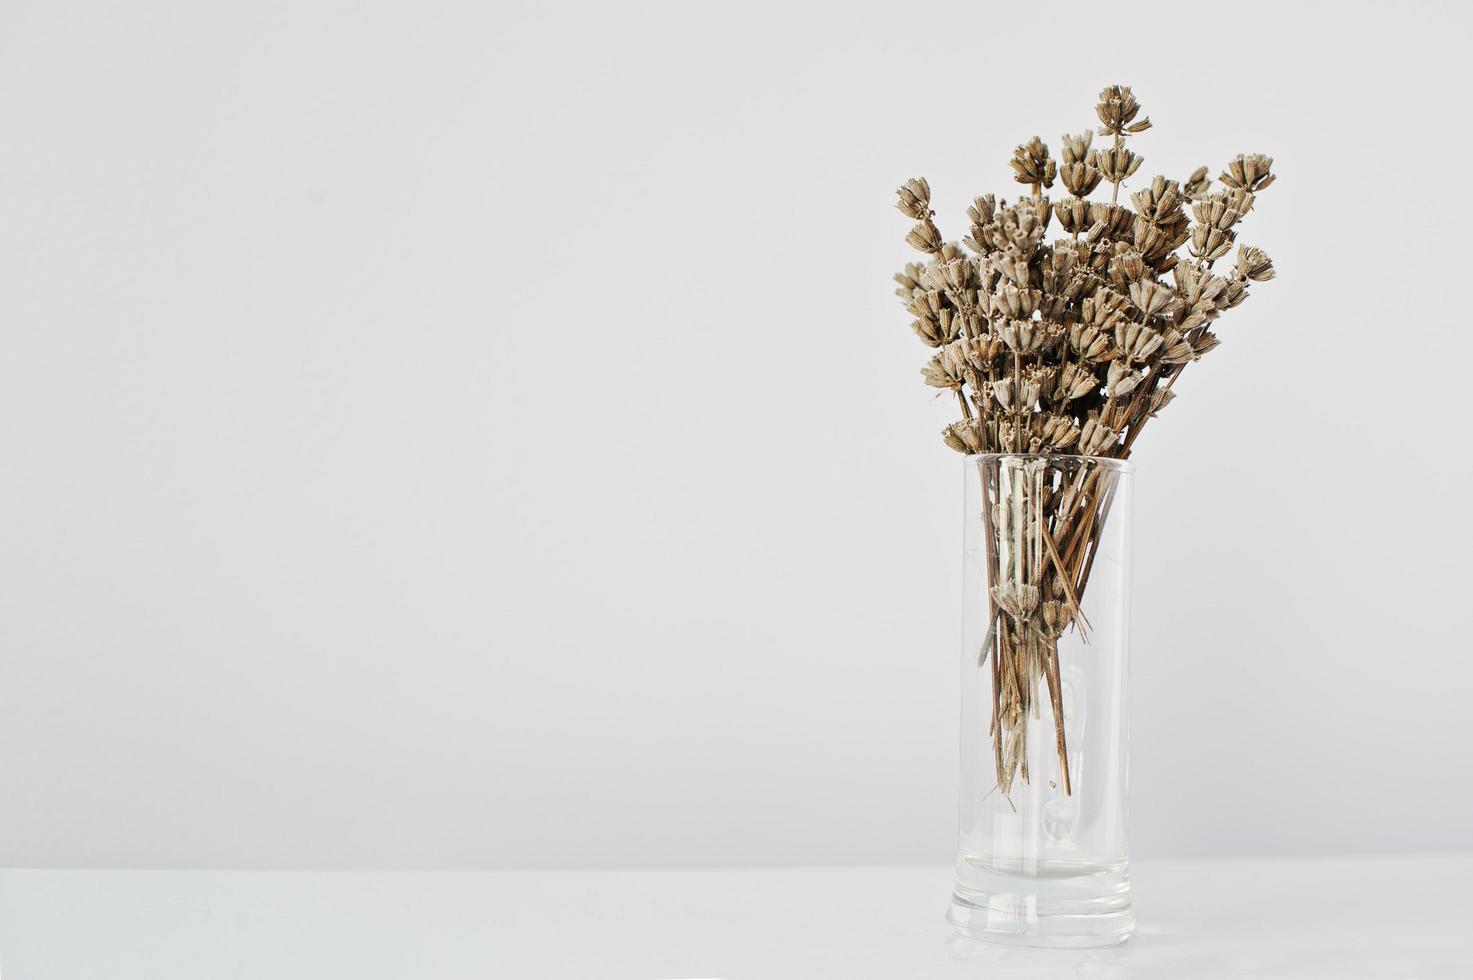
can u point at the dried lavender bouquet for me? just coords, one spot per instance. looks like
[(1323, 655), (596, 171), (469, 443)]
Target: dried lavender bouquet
[(1068, 346)]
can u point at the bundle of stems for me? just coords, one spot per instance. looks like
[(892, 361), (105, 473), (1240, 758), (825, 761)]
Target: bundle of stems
[(1067, 348)]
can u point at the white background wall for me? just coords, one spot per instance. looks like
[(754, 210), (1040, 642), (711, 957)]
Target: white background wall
[(483, 434)]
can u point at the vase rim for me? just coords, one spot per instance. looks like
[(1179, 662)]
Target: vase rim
[(1117, 465)]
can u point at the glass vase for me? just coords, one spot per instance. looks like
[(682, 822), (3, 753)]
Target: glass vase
[(1042, 858)]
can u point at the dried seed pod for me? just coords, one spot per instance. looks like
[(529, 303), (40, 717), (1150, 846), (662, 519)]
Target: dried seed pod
[(986, 350), (1054, 333), (937, 330), (1003, 394), (1197, 284), (1157, 242), (1075, 381), (1175, 349), (927, 304), (934, 278), (928, 331), (1137, 342), (1160, 398), (1058, 432), (1117, 110), (1015, 303), (1056, 268), (965, 436), (1215, 212), (1238, 199), (1028, 392), (1248, 171), (1198, 314), (1126, 266), (1206, 343), (1017, 600), (910, 280), (914, 198), (960, 274), (1159, 203), (1121, 379), (1118, 221), (1254, 263), (1056, 617), (1089, 342), (1075, 149), (1197, 184), (1233, 293), (1022, 336), (983, 209), (1114, 415), (947, 369), (1043, 375), (1020, 226), (1073, 214), (925, 237), (1103, 308), (1081, 178), (1031, 164), (1153, 298), (1013, 265), (1211, 243), (1117, 163), (1095, 438)]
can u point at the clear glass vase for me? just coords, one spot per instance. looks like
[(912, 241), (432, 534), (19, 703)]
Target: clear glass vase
[(1042, 859)]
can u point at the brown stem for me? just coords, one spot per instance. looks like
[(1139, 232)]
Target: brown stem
[(993, 639), (1096, 531), (1065, 578), (1056, 699)]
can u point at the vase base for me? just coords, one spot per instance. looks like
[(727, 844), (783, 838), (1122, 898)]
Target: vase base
[(1070, 912)]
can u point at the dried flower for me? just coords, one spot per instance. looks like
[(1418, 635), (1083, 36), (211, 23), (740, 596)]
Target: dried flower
[(1069, 346), (1214, 212), (1211, 243), (925, 237), (1058, 432), (1206, 342), (1074, 214), (1018, 600), (948, 368), (1160, 399), (1117, 221), (1075, 149), (1080, 179), (1254, 264), (1121, 379), (1022, 336), (915, 198), (1160, 203), (1154, 298), (1118, 163), (1095, 438), (1137, 342), (1249, 172), (1031, 164), (1117, 109), (966, 436), (1197, 184), (1075, 381), (1090, 342), (1175, 348)]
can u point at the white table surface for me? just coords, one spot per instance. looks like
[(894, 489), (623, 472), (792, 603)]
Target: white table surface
[(1374, 917)]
